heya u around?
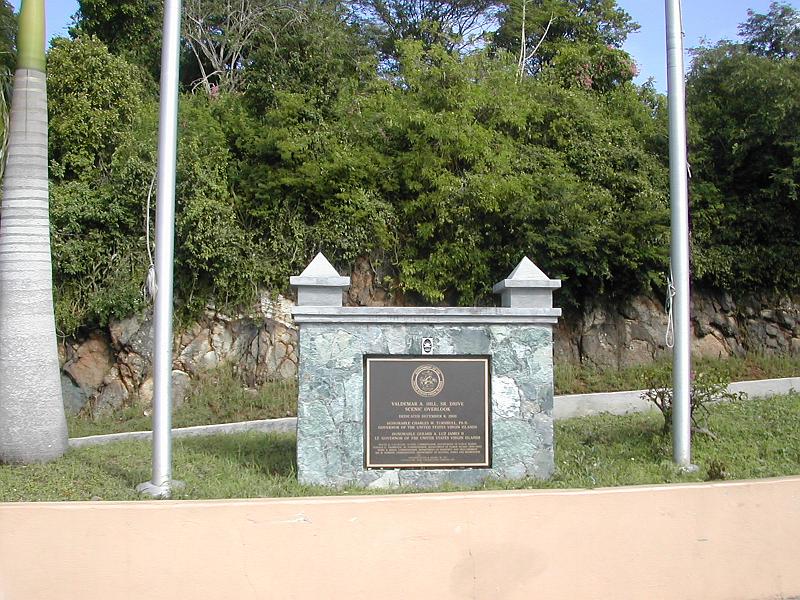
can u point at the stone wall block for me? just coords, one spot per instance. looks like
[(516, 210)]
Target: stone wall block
[(189, 335), (284, 352), (243, 332), (62, 353), (726, 324), (133, 368), (114, 396), (144, 394), (198, 355), (600, 344), (566, 342), (726, 302), (365, 288), (608, 336), (180, 387), (221, 339), (709, 346), (122, 331), (90, 362), (75, 397)]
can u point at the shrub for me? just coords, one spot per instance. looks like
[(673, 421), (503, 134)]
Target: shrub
[(705, 388)]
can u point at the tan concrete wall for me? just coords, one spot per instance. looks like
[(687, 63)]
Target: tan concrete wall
[(729, 541)]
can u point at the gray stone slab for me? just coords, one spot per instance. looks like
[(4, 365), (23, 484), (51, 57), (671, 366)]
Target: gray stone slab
[(331, 411), (426, 315)]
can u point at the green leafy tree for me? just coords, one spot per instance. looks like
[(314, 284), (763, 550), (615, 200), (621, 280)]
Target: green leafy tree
[(599, 68), (311, 51), (100, 244), (745, 152), (481, 170), (95, 96), (304, 186), (538, 30), (99, 252), (8, 33), (454, 24), (32, 423), (451, 171), (129, 28), (97, 208), (775, 34)]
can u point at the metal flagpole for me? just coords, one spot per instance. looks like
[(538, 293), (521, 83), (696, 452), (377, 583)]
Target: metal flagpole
[(161, 483), (679, 251)]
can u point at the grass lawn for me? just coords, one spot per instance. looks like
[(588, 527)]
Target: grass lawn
[(219, 397), (755, 438), (571, 379)]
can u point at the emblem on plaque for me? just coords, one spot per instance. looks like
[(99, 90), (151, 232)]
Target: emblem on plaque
[(427, 380)]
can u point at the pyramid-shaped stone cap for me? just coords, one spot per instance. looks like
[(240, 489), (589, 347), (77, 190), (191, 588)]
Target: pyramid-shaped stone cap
[(526, 270), (527, 287), (319, 284), (320, 272)]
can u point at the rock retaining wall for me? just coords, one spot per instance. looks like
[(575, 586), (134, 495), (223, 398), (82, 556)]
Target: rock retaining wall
[(112, 367), (635, 332)]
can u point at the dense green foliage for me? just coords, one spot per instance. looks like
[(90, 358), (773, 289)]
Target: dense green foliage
[(8, 32), (130, 28), (556, 26), (744, 100), (775, 34), (94, 100), (490, 169), (94, 97), (385, 133)]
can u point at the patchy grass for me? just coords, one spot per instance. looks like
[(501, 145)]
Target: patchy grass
[(232, 466), (572, 379), (218, 397), (755, 438)]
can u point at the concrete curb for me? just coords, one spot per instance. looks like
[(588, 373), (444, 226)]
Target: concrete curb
[(265, 425), (620, 403), (564, 407)]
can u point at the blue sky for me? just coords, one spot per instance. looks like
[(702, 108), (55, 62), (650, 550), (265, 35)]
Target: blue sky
[(711, 20), (703, 19)]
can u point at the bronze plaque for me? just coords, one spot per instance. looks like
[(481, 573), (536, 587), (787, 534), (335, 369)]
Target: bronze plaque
[(427, 411)]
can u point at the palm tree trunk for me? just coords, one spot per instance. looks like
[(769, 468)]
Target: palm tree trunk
[(32, 423)]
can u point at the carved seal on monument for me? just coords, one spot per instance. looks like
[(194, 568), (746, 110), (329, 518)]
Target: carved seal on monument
[(427, 380)]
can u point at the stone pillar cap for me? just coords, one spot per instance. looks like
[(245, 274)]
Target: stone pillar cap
[(526, 275), (319, 273)]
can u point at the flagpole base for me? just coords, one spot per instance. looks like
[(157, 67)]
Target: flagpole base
[(163, 491), (686, 469)]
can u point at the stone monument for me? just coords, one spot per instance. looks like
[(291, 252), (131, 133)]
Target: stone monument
[(392, 396)]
